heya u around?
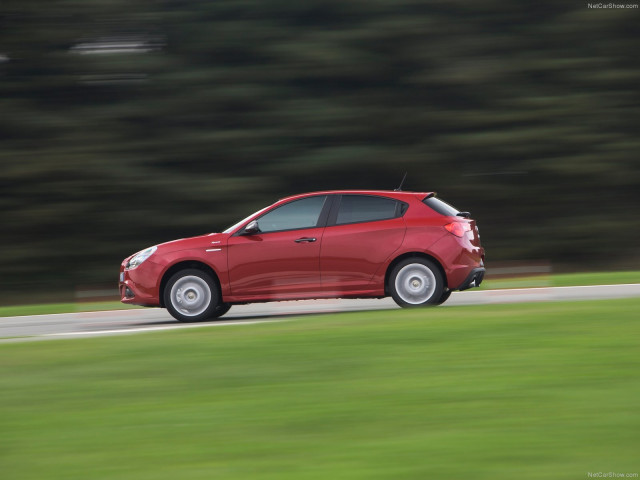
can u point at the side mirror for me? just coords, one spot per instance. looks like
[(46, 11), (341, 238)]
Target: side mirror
[(251, 228)]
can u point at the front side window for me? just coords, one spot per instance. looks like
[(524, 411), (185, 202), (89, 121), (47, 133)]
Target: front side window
[(366, 208), (303, 213)]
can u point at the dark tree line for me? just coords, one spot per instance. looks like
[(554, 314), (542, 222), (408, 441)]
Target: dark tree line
[(125, 124)]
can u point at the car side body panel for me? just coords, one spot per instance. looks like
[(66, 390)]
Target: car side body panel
[(352, 254), (274, 265)]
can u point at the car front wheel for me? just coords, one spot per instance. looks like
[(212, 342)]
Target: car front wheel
[(192, 295), (416, 282), (222, 309)]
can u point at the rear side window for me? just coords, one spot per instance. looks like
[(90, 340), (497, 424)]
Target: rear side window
[(366, 208), (443, 208)]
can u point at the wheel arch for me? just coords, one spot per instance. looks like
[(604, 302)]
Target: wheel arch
[(400, 258), (182, 266)]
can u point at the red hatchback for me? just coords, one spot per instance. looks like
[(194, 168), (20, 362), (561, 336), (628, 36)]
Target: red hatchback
[(337, 244)]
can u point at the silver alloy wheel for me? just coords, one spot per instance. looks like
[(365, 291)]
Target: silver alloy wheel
[(415, 283), (190, 295)]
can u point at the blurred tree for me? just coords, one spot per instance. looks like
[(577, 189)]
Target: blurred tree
[(125, 124)]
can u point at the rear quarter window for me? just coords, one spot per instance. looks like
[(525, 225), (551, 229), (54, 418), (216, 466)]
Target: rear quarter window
[(443, 208)]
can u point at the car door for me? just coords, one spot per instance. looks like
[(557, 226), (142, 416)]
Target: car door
[(282, 260), (362, 232)]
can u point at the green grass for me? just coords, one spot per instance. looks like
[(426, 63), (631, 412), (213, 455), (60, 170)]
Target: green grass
[(562, 280), (546, 390), (599, 278), (49, 308)]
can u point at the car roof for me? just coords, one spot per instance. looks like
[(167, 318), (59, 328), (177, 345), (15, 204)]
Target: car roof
[(385, 193)]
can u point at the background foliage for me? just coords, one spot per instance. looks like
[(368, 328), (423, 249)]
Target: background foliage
[(125, 124)]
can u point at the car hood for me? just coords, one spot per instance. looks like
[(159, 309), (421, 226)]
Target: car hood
[(193, 242)]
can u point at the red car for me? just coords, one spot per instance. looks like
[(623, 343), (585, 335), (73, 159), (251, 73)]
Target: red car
[(335, 244)]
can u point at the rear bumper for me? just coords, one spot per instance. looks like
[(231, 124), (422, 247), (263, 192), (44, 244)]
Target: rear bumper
[(462, 261), (474, 279)]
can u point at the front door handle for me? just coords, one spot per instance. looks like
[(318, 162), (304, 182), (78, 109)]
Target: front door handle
[(306, 239)]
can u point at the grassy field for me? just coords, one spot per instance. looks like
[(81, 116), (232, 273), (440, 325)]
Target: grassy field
[(547, 390), (562, 280), (559, 280), (49, 308)]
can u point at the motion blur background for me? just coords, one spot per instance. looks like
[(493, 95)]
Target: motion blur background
[(125, 124)]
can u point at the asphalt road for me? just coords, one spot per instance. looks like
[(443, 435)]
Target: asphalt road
[(86, 324)]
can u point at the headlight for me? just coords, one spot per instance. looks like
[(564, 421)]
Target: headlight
[(140, 257)]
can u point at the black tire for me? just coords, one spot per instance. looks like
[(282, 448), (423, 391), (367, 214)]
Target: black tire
[(416, 282), (192, 295), (444, 297), (222, 309)]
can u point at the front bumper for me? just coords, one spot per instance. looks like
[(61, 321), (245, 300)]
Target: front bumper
[(140, 285)]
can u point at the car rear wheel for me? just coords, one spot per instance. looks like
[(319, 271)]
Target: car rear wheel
[(416, 282), (444, 297), (192, 295)]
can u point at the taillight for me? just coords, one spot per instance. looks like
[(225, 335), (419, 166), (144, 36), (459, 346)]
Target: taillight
[(458, 228)]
